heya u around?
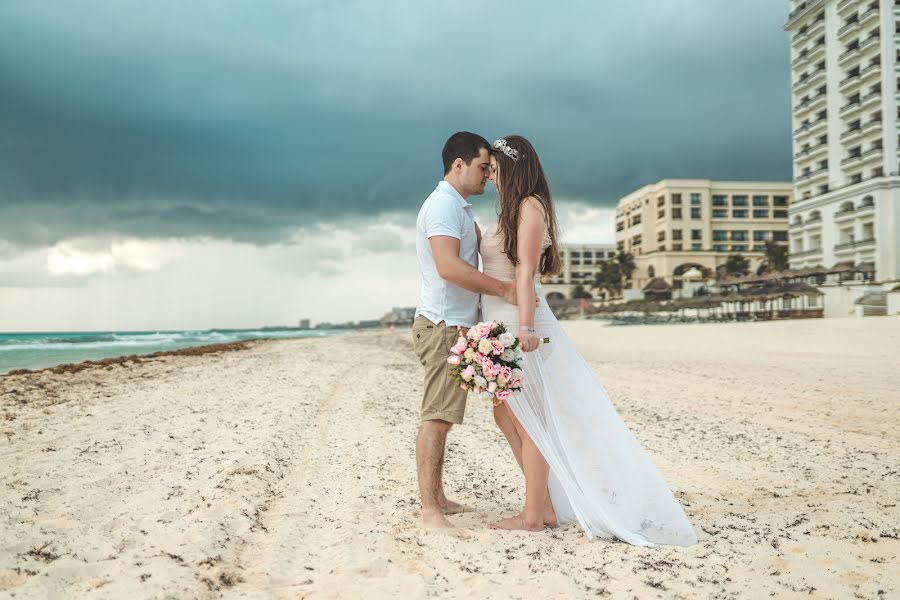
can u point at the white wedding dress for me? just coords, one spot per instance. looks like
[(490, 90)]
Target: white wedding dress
[(600, 475)]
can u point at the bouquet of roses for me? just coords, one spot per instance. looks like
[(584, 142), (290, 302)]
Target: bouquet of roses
[(488, 362)]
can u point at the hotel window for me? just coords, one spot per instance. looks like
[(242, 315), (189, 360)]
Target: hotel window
[(660, 236), (696, 247), (620, 226), (739, 236), (696, 234), (677, 247), (720, 235), (780, 236), (636, 220), (760, 200), (576, 254), (760, 236), (676, 213), (739, 200), (739, 248), (695, 199), (661, 213), (676, 234), (636, 240), (739, 213), (719, 200), (856, 178), (780, 200), (760, 214), (695, 212), (779, 214), (676, 199), (660, 201), (758, 248), (868, 231), (720, 248), (720, 213)]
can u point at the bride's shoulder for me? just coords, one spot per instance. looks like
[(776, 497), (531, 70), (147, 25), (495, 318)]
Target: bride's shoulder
[(531, 206)]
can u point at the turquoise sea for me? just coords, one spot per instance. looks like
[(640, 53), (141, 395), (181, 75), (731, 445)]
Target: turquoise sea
[(41, 350)]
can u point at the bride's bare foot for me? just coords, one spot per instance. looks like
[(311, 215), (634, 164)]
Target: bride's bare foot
[(517, 523), (550, 519)]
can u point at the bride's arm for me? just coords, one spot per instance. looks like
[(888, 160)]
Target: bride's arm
[(529, 239)]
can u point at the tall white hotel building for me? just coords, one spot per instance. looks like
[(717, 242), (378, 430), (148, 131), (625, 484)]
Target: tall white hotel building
[(845, 75)]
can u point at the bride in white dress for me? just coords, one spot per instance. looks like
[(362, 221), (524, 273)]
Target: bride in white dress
[(581, 462)]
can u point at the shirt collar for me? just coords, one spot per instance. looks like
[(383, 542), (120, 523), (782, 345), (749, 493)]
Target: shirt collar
[(444, 185)]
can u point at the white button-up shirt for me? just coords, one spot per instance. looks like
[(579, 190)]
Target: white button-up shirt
[(445, 212)]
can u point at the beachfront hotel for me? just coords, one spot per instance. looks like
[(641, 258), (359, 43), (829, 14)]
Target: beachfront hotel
[(581, 263), (845, 75), (676, 225)]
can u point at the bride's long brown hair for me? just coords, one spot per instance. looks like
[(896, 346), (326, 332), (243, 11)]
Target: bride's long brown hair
[(516, 180)]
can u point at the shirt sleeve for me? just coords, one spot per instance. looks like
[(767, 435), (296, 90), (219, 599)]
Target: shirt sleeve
[(442, 218)]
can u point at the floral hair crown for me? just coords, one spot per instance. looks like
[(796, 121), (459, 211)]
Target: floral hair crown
[(503, 147)]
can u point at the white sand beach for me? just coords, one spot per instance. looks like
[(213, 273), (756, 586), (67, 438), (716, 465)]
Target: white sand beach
[(286, 470)]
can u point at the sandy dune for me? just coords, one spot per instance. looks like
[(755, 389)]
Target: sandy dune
[(286, 470)]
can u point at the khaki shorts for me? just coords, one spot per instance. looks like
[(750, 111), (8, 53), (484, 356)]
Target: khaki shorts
[(443, 399)]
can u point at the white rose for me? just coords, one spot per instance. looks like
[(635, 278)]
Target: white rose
[(480, 381), (469, 355), (508, 356), (484, 346), (516, 374), (506, 338)]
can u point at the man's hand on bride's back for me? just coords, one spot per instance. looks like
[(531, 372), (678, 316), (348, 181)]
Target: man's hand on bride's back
[(510, 295)]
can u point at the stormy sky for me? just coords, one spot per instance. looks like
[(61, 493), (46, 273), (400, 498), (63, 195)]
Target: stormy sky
[(293, 142)]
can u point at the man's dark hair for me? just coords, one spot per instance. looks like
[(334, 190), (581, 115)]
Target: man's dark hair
[(464, 145)]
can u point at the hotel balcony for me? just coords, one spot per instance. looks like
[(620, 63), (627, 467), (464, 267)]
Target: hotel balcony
[(812, 152), (808, 79), (844, 6), (870, 99), (851, 134), (849, 82), (843, 215), (870, 42), (812, 223), (801, 59), (868, 17), (810, 128), (873, 125), (849, 247), (850, 28), (872, 154), (805, 253), (850, 109), (851, 161), (869, 72), (811, 103), (812, 177), (810, 29)]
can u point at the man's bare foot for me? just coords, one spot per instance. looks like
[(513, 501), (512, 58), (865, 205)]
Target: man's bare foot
[(517, 523), (454, 508), (435, 520)]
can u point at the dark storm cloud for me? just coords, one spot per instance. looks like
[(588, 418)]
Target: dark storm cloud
[(245, 120)]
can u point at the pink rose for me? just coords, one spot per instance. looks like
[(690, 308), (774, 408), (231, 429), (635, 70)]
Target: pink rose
[(502, 395), (504, 372), (492, 386), (469, 372), (515, 383), (479, 357), (453, 359), (497, 347)]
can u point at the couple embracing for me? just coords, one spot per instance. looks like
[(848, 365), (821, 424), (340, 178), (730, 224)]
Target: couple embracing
[(581, 463)]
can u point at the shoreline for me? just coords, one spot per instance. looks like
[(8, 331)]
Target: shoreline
[(288, 470)]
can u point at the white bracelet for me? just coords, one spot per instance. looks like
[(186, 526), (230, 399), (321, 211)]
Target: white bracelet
[(526, 328)]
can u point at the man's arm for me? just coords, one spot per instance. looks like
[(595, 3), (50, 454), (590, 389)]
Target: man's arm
[(445, 250)]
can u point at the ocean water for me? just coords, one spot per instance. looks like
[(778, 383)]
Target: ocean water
[(41, 350)]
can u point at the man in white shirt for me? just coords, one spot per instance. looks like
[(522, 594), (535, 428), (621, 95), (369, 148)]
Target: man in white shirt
[(447, 241)]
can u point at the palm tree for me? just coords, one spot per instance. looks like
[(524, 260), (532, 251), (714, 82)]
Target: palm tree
[(609, 278), (580, 292), (737, 265), (625, 261), (776, 257)]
